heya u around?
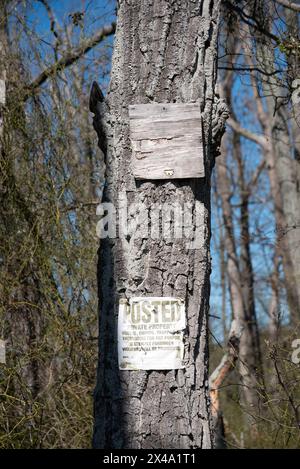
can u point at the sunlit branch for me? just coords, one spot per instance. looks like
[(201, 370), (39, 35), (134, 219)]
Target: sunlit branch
[(69, 58)]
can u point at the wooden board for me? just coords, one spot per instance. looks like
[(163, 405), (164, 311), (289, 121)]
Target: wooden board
[(166, 141)]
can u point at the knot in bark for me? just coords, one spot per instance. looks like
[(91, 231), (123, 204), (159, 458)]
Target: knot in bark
[(220, 115)]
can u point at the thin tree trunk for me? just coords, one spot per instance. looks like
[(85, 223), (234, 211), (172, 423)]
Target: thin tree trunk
[(239, 267), (22, 320), (164, 52), (3, 64), (245, 262), (274, 305), (223, 285), (289, 230), (283, 174), (226, 365), (248, 359)]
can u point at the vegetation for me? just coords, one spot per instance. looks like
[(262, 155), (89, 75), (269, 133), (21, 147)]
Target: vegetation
[(51, 181), (50, 184)]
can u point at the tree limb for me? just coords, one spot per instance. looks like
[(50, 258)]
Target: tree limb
[(259, 139), (225, 366), (69, 58), (288, 4), (256, 175), (53, 26), (251, 69), (251, 21), (51, 18)]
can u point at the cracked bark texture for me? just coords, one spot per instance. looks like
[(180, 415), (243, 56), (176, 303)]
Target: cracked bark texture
[(164, 51)]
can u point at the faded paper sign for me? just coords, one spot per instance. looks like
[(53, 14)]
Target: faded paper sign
[(150, 333)]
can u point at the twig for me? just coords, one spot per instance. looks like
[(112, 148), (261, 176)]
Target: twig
[(70, 58)]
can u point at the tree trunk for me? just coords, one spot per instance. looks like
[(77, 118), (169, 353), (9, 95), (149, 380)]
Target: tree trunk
[(239, 263), (247, 351), (164, 52), (289, 231), (283, 173), (3, 53), (226, 365), (22, 320)]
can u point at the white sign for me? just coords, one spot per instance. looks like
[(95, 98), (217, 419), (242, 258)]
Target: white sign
[(150, 333)]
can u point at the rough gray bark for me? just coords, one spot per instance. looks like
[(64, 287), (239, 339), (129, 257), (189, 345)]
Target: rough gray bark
[(165, 51)]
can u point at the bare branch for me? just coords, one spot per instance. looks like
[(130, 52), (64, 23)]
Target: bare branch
[(286, 388), (70, 58), (256, 175), (250, 20), (80, 206), (259, 139), (251, 69), (51, 18), (53, 26), (288, 4)]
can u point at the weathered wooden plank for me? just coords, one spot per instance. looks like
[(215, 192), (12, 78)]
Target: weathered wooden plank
[(166, 166), (190, 142), (174, 111), (166, 141), (151, 129)]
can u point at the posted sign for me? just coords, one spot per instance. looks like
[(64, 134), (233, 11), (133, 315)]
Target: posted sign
[(150, 333)]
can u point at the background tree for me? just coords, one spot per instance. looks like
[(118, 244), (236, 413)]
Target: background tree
[(260, 190), (51, 178)]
